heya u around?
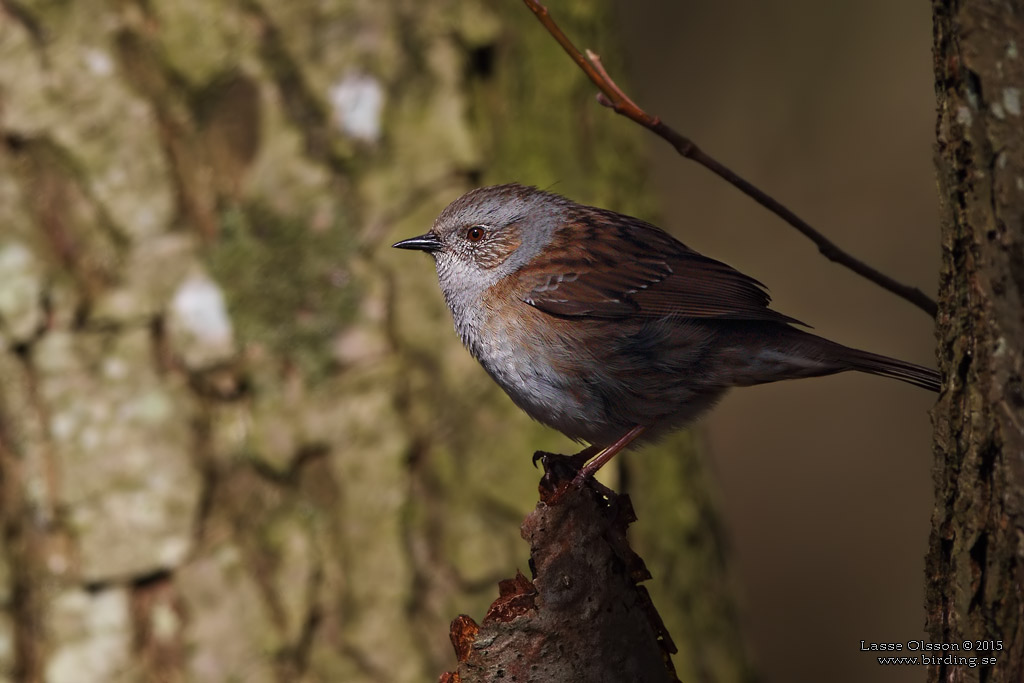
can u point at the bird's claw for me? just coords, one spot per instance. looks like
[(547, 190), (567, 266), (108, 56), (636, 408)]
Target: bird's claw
[(563, 473)]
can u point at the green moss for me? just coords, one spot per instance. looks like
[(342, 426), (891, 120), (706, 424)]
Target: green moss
[(540, 124), (541, 116), (679, 536), (290, 289)]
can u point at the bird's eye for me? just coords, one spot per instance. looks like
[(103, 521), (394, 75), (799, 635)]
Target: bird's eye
[(475, 234)]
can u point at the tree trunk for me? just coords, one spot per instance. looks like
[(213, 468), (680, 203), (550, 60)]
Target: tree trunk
[(238, 438), (975, 596)]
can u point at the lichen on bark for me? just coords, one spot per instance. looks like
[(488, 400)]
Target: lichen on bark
[(233, 423)]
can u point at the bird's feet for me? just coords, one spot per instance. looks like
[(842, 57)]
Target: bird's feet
[(565, 472)]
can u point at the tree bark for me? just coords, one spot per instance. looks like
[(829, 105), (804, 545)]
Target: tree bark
[(975, 592), (238, 438), (582, 616)]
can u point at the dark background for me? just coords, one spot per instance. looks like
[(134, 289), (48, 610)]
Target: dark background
[(825, 484)]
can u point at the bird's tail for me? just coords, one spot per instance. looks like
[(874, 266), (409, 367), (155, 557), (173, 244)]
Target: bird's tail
[(873, 363), (769, 353), (784, 352)]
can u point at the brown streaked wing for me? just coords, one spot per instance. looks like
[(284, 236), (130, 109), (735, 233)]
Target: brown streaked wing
[(614, 266)]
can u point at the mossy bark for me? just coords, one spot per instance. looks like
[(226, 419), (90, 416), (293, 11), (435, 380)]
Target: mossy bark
[(238, 438)]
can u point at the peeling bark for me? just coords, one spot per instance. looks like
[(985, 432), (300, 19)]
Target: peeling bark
[(583, 616)]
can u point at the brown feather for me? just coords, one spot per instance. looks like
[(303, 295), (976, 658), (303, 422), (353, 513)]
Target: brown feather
[(608, 265)]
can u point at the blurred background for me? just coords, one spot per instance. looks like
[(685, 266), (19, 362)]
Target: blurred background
[(239, 439), (825, 484)]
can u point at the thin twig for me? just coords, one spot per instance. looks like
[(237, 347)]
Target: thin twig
[(612, 96)]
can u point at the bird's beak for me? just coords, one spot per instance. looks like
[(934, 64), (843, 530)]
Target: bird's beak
[(427, 242)]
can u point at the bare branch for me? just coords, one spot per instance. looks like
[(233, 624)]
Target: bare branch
[(612, 96)]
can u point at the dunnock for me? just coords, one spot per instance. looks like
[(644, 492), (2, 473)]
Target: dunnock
[(606, 327)]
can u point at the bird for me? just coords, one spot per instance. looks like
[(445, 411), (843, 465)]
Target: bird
[(609, 329)]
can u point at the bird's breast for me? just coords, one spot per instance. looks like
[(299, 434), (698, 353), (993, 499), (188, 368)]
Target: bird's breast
[(526, 355)]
